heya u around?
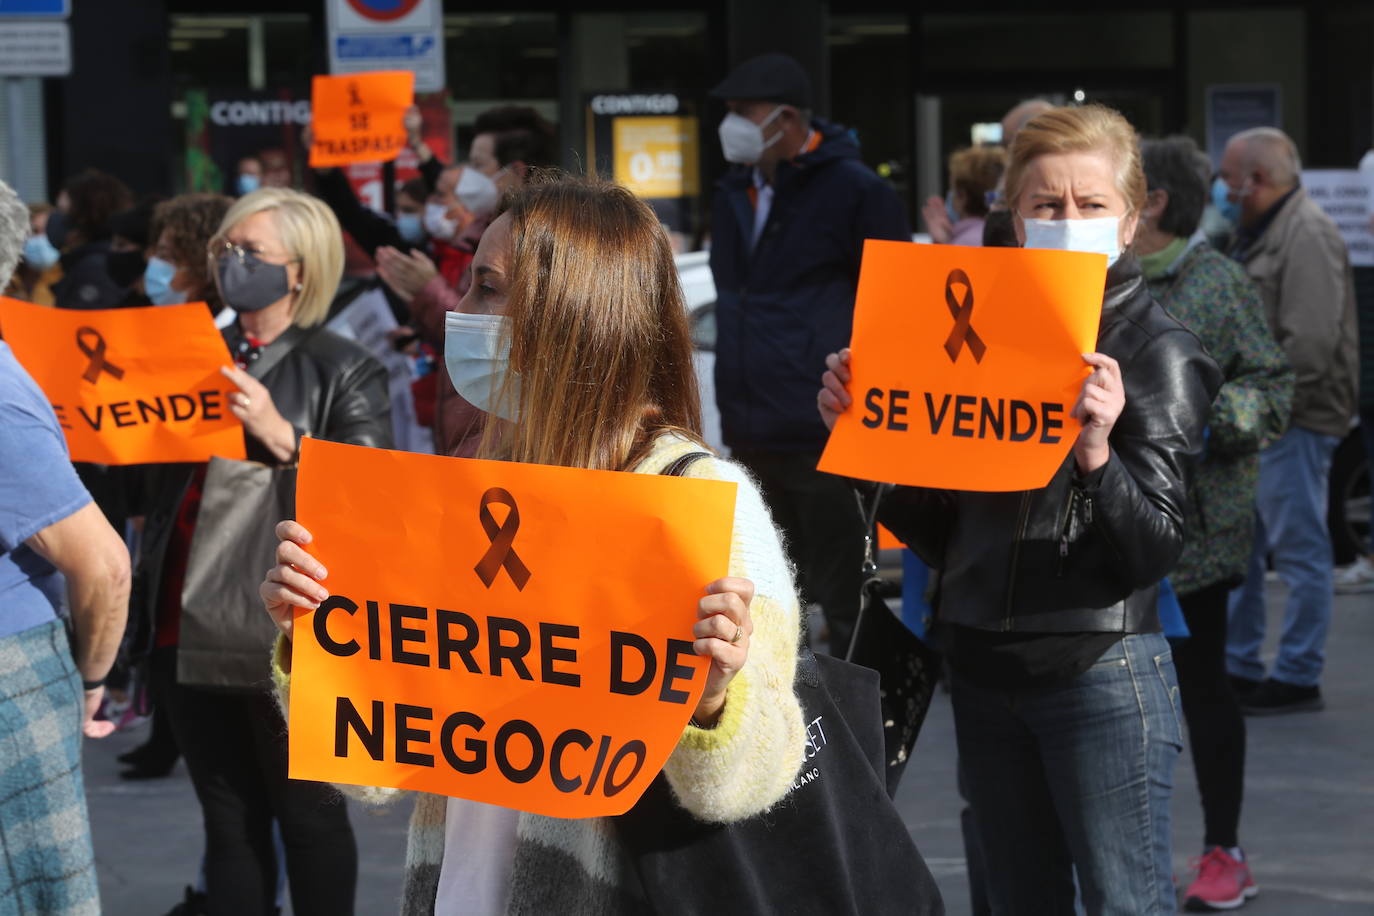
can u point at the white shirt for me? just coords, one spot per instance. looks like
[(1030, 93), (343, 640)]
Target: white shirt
[(763, 201), (479, 852)]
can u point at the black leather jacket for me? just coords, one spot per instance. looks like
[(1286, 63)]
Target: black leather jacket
[(326, 386), (1081, 554)]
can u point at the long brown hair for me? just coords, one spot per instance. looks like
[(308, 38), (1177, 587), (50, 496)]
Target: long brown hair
[(598, 327)]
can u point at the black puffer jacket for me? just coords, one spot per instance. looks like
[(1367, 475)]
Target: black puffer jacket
[(1080, 555), (326, 386)]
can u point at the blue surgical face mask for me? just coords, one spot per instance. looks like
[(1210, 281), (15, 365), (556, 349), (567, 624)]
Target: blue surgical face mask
[(411, 227), (40, 253), (1221, 199), (157, 282), (1099, 236), (477, 354), (247, 183)]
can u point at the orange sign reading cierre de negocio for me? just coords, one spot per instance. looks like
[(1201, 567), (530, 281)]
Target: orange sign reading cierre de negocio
[(513, 634), (966, 365), (359, 117), (130, 386)]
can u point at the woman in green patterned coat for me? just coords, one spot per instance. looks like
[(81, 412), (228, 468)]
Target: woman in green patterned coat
[(1211, 294)]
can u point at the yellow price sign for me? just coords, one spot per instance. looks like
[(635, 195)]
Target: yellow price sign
[(657, 157)]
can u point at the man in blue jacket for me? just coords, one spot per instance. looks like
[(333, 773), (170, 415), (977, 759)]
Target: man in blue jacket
[(788, 228)]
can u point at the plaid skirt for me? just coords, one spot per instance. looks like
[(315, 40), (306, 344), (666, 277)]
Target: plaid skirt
[(45, 836)]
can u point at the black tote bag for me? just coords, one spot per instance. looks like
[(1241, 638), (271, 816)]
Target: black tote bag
[(834, 845)]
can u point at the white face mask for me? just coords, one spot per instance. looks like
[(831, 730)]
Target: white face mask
[(437, 223), (1099, 236), (741, 140), (478, 192), (477, 355)]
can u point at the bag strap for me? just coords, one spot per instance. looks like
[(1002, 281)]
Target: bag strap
[(680, 466), (273, 352), (868, 510)]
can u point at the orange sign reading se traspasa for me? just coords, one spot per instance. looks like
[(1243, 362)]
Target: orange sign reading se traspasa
[(513, 634), (359, 117), (130, 386), (966, 365)]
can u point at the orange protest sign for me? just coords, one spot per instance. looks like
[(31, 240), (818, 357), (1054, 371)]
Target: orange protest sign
[(966, 364), (513, 634), (130, 386), (887, 540), (358, 117)]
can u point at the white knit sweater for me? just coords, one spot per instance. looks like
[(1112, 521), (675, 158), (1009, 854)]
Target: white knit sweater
[(739, 768)]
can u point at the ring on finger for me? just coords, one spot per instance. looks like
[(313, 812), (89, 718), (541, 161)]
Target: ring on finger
[(739, 634), (245, 401)]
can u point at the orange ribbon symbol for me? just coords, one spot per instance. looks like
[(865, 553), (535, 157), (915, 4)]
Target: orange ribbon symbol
[(501, 552), (963, 332), (96, 354)]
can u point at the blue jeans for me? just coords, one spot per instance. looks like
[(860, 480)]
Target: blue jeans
[(1290, 522), (1076, 776)]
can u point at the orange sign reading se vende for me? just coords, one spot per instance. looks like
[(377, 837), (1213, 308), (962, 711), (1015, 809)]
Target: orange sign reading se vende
[(513, 634), (133, 385), (966, 363), (359, 117)]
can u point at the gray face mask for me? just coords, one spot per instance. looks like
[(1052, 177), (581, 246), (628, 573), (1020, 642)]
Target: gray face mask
[(248, 284)]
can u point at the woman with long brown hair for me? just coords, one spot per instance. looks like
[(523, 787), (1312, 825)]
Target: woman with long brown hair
[(574, 335)]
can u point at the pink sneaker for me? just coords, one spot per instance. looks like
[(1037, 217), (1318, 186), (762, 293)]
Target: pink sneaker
[(1222, 883)]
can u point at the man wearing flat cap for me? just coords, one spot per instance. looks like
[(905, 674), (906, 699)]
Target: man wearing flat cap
[(788, 228)]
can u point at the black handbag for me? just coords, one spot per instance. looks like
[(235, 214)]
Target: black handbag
[(907, 667), (835, 844)]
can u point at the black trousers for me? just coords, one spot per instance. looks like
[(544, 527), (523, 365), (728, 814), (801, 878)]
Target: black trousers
[(1216, 726), (820, 519), (235, 749)]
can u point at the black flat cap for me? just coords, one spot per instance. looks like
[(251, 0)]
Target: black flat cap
[(770, 77)]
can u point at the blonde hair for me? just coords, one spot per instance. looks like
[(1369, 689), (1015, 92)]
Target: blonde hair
[(975, 171), (309, 232), (598, 329), (1090, 128)]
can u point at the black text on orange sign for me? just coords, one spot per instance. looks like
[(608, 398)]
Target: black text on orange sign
[(170, 408), (965, 416), (497, 647)]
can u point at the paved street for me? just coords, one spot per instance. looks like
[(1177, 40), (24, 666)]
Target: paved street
[(1307, 821)]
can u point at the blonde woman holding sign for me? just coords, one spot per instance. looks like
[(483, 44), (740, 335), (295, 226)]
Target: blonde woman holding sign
[(1064, 691), (574, 335)]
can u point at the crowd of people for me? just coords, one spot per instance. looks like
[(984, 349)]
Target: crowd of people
[(1224, 374)]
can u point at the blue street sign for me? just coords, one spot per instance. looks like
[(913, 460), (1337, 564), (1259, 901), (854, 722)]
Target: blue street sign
[(358, 47), (47, 9)]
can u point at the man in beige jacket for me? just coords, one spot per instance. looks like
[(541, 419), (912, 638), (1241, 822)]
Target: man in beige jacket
[(1296, 255)]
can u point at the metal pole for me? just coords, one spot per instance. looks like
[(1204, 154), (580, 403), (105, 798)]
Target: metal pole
[(14, 128), (930, 165)]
